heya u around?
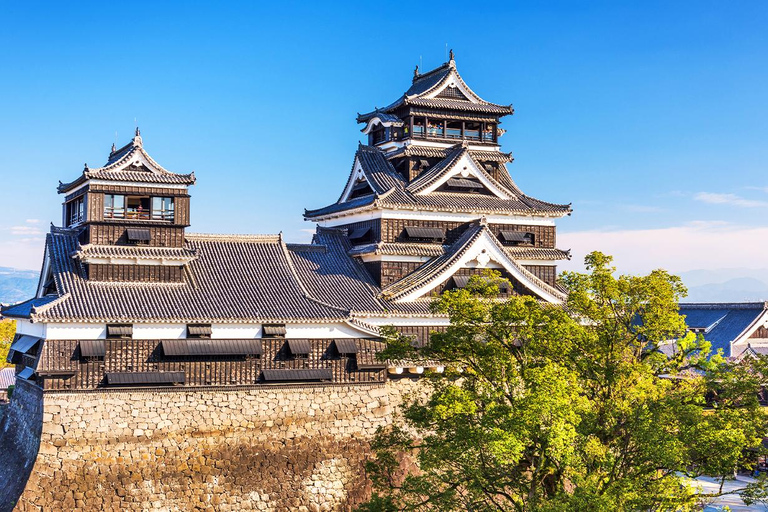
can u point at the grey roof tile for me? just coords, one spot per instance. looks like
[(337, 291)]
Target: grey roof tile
[(246, 278), (725, 322)]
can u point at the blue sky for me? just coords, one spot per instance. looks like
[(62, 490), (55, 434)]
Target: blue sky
[(651, 117)]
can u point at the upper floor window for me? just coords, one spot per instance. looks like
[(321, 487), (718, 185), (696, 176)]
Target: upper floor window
[(162, 208), (75, 212), (118, 206), (114, 206)]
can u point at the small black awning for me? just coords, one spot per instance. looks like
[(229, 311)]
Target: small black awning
[(517, 236), (346, 346), (359, 233), (206, 347), (421, 232), (93, 348), (274, 330), (27, 373), (461, 281), (145, 378), (199, 330), (118, 330), (300, 347), (138, 235), (465, 183), (297, 374), (24, 343)]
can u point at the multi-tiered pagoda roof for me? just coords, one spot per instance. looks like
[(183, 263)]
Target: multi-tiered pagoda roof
[(429, 202)]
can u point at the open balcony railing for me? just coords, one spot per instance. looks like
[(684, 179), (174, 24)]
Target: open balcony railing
[(137, 214), (419, 132)]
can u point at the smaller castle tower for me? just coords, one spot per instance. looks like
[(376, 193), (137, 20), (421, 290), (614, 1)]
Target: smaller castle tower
[(130, 215)]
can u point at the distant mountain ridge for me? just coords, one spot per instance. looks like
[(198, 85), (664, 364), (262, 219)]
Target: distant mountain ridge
[(726, 285), (17, 285)]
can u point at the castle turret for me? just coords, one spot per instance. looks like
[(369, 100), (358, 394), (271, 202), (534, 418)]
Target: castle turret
[(131, 215), (430, 200)]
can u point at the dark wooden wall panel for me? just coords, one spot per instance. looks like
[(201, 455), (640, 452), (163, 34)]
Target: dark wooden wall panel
[(547, 273), (114, 233), (393, 230), (420, 334), (131, 355), (144, 273)]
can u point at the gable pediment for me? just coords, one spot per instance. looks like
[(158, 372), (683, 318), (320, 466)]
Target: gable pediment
[(357, 185), (453, 87), (477, 249), (462, 174)]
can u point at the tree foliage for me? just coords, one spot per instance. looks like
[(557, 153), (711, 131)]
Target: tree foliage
[(7, 331), (544, 408)]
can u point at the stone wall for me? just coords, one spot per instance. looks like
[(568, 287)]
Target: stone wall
[(263, 448), (20, 428)]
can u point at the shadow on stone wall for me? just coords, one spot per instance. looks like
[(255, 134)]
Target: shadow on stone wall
[(20, 429), (318, 473)]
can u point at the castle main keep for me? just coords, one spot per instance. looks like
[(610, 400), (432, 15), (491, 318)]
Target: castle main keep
[(165, 370)]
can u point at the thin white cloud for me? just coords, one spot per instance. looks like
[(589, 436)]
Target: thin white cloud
[(641, 208), (33, 221), (25, 230), (692, 246), (23, 253), (730, 199)]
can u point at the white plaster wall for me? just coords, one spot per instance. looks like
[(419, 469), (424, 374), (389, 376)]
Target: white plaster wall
[(319, 331), (235, 331), (75, 331), (159, 331), (406, 321), (27, 327)]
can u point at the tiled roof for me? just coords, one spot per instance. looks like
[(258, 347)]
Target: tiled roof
[(7, 378), (381, 175), (235, 278), (399, 249), (28, 307), (434, 250), (389, 118), (725, 323), (130, 163), (432, 152), (378, 171), (537, 253), (447, 104), (426, 83), (473, 203), (331, 276), (133, 252)]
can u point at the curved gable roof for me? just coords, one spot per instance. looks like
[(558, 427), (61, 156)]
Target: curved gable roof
[(133, 164), (426, 86)]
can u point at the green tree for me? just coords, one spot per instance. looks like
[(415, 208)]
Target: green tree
[(544, 408), (7, 332)]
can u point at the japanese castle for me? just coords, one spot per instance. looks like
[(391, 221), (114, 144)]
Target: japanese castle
[(128, 297)]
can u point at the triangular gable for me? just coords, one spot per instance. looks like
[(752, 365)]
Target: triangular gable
[(459, 165), (478, 248), (356, 178), (47, 283), (453, 80)]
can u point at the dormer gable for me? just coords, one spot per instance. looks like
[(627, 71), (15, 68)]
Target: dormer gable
[(129, 164), (458, 172)]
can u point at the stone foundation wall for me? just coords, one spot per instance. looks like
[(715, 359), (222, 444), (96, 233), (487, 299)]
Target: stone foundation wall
[(265, 448), (20, 428)]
